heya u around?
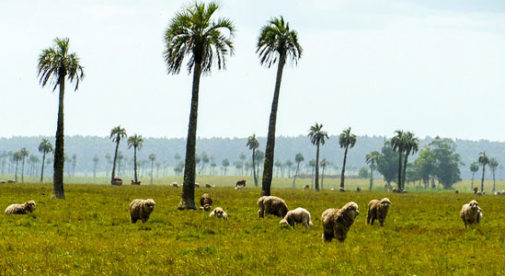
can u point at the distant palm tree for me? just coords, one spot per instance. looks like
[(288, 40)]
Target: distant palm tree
[(398, 144), (278, 164), (312, 165), (135, 141), (346, 140), (242, 158), (152, 158), (483, 161), (16, 157), (193, 33), (57, 64), (24, 153), (116, 134), (276, 43), (74, 163), (493, 165), (317, 137), (253, 144), (474, 167), (298, 159), (324, 163), (371, 159), (289, 165), (411, 146), (44, 147)]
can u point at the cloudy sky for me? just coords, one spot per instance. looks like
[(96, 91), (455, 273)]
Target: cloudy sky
[(377, 66)]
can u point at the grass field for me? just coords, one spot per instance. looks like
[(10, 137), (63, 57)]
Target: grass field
[(90, 233)]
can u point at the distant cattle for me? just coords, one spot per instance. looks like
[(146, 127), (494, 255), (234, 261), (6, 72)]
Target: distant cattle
[(241, 182)]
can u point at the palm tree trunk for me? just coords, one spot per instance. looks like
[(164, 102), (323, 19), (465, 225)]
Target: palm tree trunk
[(16, 175), (494, 182), (322, 179), (113, 175), (317, 167), (23, 171), (404, 169), (188, 190), (269, 152), (135, 164), (59, 149), (42, 170), (296, 174), (254, 168), (94, 172), (400, 169), (482, 181), (152, 170), (342, 175), (473, 174), (371, 179)]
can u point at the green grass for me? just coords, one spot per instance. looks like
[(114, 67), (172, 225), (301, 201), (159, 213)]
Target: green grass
[(90, 233)]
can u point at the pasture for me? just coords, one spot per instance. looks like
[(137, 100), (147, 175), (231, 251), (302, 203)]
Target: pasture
[(90, 233)]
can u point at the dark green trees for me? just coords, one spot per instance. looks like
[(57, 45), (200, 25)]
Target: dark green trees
[(346, 140), (493, 165), (276, 43), (55, 65), (192, 32), (371, 159), (474, 167), (135, 141)]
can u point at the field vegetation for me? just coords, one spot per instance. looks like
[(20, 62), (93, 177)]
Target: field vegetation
[(90, 233)]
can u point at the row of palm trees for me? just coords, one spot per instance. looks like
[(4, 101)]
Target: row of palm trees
[(484, 160)]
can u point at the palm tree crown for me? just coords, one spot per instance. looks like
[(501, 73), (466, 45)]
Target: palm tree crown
[(56, 63), (346, 138), (397, 142), (192, 33), (252, 142), (316, 135), (117, 133), (276, 40), (45, 146), (135, 141), (371, 158)]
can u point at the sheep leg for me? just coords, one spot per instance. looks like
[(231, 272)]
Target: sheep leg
[(134, 220), (327, 237)]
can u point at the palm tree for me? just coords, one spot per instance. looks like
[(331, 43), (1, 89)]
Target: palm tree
[(242, 159), (298, 159), (289, 165), (193, 33), (398, 144), (44, 147), (253, 144), (116, 134), (136, 142), (317, 137), (276, 43), (346, 140), (312, 165), (225, 164), (324, 163), (56, 64), (24, 153), (16, 157), (411, 145), (95, 163), (152, 158), (474, 167), (493, 164), (483, 160), (371, 159)]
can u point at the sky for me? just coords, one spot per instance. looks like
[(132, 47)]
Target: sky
[(431, 67)]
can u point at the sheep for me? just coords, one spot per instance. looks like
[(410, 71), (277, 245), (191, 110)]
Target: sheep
[(471, 213), (306, 187), (272, 205), (238, 188), (336, 222), (208, 186), (3, 181), (502, 192), (219, 213), (11, 181), (241, 182), (378, 210), (20, 209), (205, 201), (476, 191), (175, 185), (358, 189), (341, 189), (141, 209), (456, 191), (298, 215)]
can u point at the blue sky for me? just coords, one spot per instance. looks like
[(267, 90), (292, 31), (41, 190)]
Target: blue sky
[(431, 67)]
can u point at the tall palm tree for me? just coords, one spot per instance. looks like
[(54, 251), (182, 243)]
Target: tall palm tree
[(55, 64), (24, 153), (135, 141), (16, 157), (152, 158), (276, 43), (116, 134), (493, 165), (193, 33), (44, 147), (253, 144), (324, 163), (95, 163), (474, 167), (346, 140), (483, 161), (398, 144), (298, 159), (317, 137), (411, 146), (371, 159)]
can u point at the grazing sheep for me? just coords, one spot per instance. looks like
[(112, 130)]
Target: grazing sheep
[(471, 213), (358, 189), (238, 188), (336, 222), (20, 209), (306, 187), (298, 215), (476, 191), (208, 186), (3, 181), (11, 181), (175, 185), (456, 191), (241, 182), (398, 191), (341, 190), (272, 205), (197, 185), (206, 202), (141, 209), (378, 210), (502, 192), (219, 213)]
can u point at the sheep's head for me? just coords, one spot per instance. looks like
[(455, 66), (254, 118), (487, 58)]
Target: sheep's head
[(149, 203), (30, 205), (351, 209), (218, 212), (474, 205), (385, 202)]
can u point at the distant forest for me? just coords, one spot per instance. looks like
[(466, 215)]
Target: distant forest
[(85, 148)]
